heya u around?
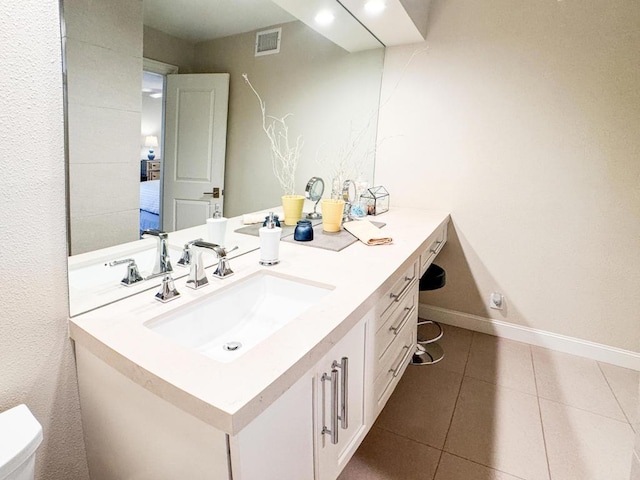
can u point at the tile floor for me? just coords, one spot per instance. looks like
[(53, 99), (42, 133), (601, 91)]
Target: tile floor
[(495, 409)]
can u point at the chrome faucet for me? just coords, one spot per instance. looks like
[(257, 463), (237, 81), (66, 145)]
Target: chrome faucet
[(197, 275), (163, 263)]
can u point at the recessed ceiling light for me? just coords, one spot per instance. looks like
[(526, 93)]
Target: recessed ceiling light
[(375, 7), (325, 17)]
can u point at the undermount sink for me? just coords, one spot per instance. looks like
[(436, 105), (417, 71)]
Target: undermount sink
[(228, 323)]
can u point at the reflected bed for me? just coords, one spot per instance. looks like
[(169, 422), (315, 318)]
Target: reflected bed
[(149, 205)]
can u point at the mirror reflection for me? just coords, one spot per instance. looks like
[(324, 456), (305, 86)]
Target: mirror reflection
[(162, 127)]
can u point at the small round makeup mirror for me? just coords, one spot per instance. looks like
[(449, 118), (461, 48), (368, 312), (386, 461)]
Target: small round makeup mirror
[(349, 191), (314, 191), (349, 195)]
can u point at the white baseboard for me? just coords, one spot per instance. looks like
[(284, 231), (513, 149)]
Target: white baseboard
[(532, 336)]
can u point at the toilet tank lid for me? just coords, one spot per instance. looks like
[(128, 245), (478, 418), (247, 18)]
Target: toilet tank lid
[(20, 436)]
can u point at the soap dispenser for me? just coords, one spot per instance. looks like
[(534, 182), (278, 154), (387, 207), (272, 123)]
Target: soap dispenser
[(217, 226), (269, 242)]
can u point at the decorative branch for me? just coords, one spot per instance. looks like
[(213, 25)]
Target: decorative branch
[(284, 156)]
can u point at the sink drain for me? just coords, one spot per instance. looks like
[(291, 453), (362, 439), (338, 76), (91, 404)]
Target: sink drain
[(231, 346)]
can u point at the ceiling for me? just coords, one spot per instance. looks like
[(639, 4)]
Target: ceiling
[(200, 20)]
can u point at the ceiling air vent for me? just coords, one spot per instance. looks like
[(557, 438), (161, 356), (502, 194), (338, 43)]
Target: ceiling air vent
[(268, 41)]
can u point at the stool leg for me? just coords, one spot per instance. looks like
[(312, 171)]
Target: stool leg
[(424, 341), (427, 354)]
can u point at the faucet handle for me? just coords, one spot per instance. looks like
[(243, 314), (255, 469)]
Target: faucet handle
[(187, 254), (133, 275), (223, 270), (167, 290), (227, 252)]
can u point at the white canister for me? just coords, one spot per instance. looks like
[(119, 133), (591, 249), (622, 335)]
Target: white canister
[(217, 227)]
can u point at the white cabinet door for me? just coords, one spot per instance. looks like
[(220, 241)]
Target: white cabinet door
[(340, 403), (278, 444)]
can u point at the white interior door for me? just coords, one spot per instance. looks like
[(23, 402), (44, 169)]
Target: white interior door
[(194, 149)]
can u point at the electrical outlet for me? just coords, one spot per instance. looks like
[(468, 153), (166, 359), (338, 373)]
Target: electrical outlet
[(496, 301)]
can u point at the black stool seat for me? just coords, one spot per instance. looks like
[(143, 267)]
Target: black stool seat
[(434, 278)]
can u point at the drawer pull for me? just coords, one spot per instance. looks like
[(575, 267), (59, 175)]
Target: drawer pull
[(396, 370), (397, 329), (435, 250), (397, 296)]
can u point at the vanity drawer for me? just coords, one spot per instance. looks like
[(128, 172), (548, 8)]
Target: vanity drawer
[(402, 317), (393, 363), (395, 294), (153, 175), (438, 239)]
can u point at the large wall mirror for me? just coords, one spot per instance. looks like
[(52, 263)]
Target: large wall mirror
[(124, 59)]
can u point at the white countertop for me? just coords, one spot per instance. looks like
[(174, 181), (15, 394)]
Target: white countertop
[(230, 395)]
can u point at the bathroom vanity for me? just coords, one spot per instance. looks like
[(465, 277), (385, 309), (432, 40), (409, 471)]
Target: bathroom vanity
[(300, 398)]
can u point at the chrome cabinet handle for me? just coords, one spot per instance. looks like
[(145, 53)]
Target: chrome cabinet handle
[(334, 406), (396, 370), (344, 391), (398, 296), (434, 250), (397, 329), (333, 379)]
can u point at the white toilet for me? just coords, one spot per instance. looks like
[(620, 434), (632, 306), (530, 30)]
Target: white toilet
[(20, 436)]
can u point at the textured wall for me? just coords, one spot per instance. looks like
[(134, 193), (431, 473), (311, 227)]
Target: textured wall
[(36, 360), (521, 118)]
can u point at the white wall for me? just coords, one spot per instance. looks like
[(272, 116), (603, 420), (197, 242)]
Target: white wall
[(103, 45), (522, 119), (36, 360)]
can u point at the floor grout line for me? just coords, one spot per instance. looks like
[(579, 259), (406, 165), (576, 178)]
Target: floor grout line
[(476, 379), (625, 421), (544, 436), (453, 412), (466, 360), (614, 395), (482, 465), (455, 405), (406, 437), (435, 472)]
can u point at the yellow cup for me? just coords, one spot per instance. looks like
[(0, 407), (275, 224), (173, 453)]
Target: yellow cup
[(292, 207), (332, 211)]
